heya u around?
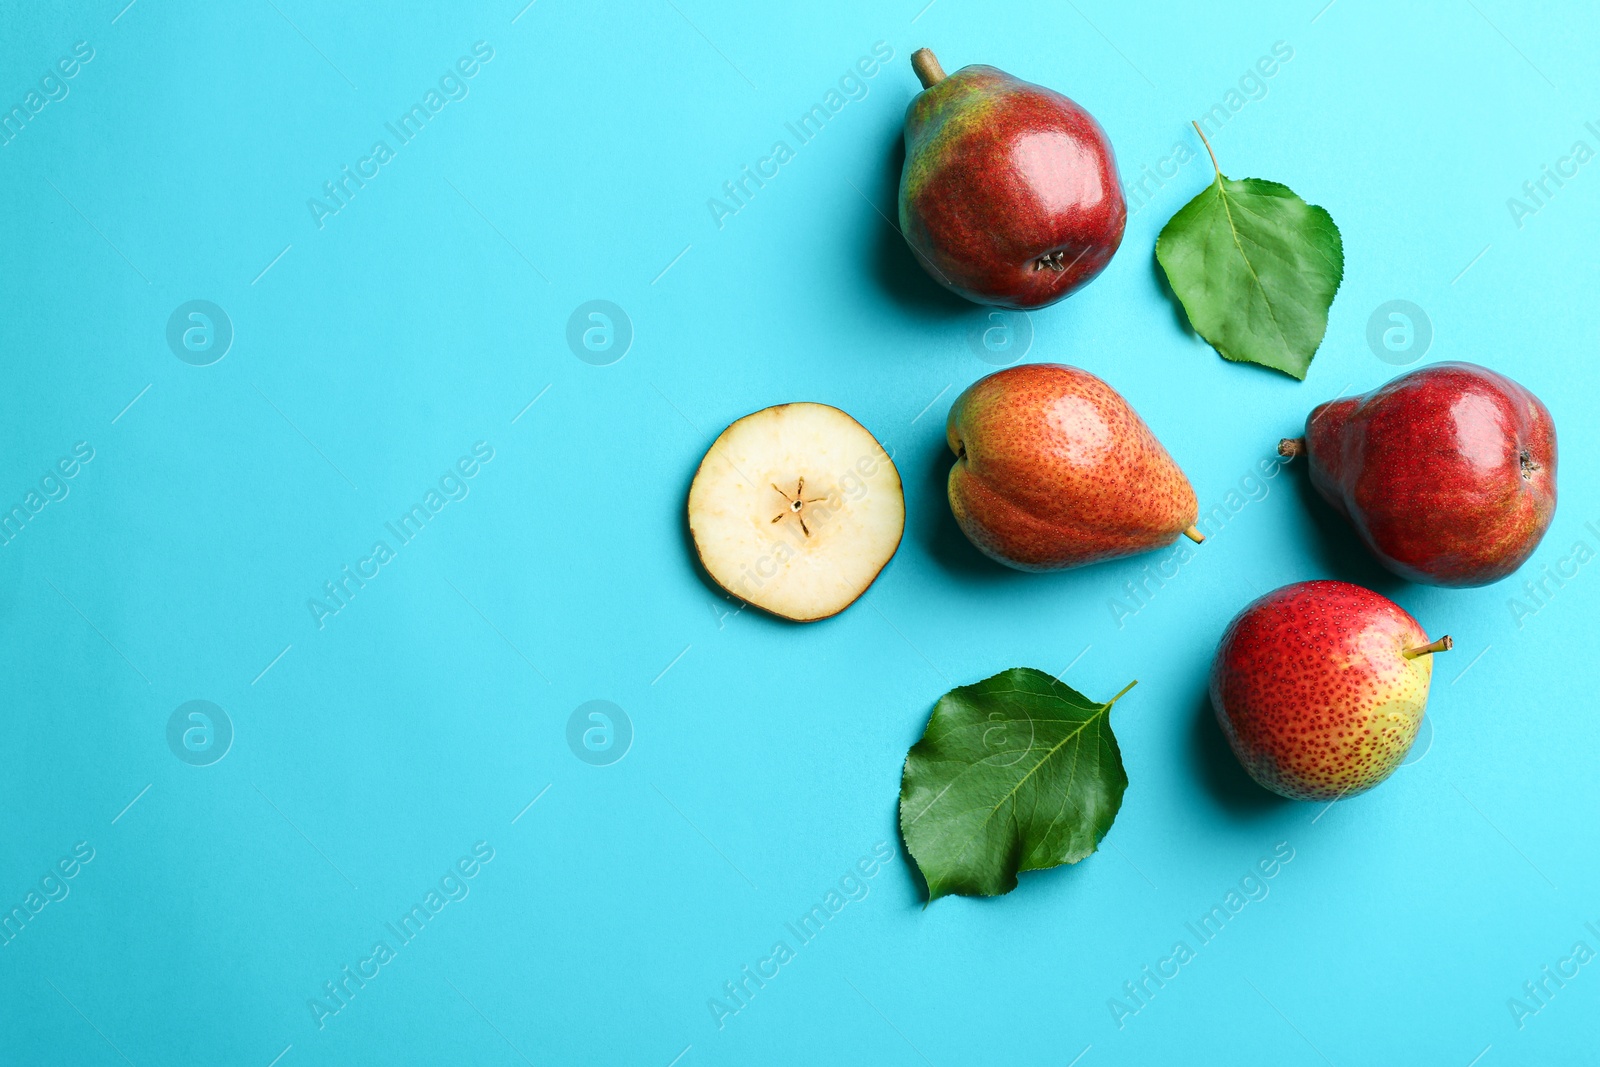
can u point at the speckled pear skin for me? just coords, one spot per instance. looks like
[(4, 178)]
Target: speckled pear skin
[(1054, 469), (1313, 691), (1000, 172), (1448, 473)]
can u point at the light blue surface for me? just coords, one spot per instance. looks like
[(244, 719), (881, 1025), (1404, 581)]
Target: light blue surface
[(369, 354)]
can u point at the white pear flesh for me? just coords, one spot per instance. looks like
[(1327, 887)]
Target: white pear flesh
[(795, 509)]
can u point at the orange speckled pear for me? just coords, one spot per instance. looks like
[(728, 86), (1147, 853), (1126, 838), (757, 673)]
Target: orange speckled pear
[(1320, 688), (1054, 469)]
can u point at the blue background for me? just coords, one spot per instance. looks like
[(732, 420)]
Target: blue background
[(370, 353)]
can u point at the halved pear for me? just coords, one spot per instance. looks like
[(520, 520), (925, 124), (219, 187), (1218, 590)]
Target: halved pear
[(796, 509)]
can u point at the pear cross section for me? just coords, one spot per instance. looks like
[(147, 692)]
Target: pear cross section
[(795, 509)]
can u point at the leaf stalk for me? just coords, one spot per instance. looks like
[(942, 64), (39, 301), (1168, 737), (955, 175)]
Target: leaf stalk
[(1215, 165), (1119, 696)]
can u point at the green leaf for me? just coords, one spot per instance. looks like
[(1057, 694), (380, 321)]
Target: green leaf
[(1016, 773), (1256, 268)]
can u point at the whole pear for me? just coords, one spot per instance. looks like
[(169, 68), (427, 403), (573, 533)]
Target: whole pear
[(1010, 194), (1320, 688), (1054, 469), (1448, 472)]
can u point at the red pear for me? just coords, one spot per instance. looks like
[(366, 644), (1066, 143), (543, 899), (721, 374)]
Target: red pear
[(1010, 193), (1448, 472), (1054, 469), (1320, 688)]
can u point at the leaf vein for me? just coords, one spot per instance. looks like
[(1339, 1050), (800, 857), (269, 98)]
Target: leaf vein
[(1011, 793), (1233, 229)]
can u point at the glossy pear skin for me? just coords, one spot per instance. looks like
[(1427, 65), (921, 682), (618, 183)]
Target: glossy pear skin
[(1448, 472), (1000, 172), (1054, 469), (1314, 693)]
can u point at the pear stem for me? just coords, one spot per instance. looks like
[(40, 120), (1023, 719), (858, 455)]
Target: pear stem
[(929, 72), (1444, 644), (1193, 533), (1215, 166), (1291, 447)]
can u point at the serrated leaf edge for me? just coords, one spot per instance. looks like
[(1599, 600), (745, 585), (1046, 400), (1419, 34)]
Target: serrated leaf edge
[(1098, 712), (1217, 184)]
